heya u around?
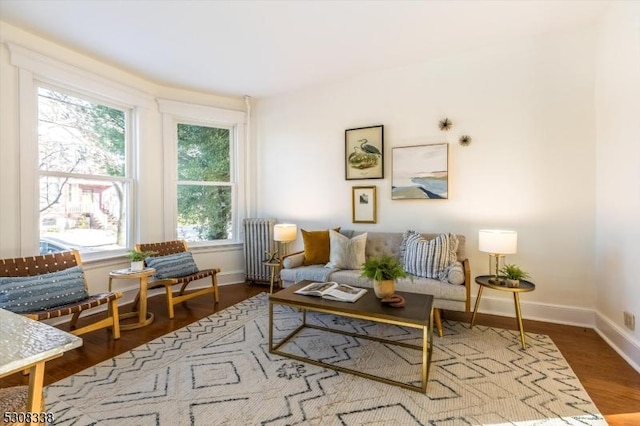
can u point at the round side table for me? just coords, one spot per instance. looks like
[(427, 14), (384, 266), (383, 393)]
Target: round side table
[(525, 286), (274, 266), (144, 317)]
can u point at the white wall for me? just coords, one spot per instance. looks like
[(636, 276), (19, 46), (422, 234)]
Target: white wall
[(618, 175), (531, 109), (150, 207), (528, 105)]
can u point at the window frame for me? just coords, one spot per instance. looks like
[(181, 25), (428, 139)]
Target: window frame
[(176, 112), (34, 70), (129, 166)]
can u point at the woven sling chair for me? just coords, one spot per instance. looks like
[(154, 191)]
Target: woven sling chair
[(55, 262), (173, 247)]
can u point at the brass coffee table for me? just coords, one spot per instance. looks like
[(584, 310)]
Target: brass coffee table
[(417, 313)]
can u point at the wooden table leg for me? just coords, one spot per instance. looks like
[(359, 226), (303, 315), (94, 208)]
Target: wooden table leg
[(142, 311), (475, 308), (270, 326), (36, 383), (273, 276), (144, 317), (516, 299)]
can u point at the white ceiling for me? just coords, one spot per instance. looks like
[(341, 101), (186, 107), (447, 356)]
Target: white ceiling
[(263, 48)]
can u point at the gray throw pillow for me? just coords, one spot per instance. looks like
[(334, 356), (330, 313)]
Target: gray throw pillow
[(173, 265), (42, 292)]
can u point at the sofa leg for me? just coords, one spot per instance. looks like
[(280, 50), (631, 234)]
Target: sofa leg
[(437, 318)]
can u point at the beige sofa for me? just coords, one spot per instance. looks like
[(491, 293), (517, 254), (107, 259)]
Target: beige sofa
[(446, 295)]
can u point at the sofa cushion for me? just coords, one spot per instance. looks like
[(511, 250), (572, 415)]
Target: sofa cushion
[(172, 265), (428, 258), (316, 246), (41, 292), (308, 272), (346, 253)]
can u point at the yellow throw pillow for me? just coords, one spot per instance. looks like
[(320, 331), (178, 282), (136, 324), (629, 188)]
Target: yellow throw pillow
[(316, 246)]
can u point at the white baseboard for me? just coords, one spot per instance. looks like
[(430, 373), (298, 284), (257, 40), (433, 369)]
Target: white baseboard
[(557, 314), (621, 341)]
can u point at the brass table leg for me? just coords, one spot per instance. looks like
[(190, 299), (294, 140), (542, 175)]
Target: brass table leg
[(475, 308), (516, 299)]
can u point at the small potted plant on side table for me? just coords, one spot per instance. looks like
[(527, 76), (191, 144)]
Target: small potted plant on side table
[(383, 270), (513, 274), (137, 258)]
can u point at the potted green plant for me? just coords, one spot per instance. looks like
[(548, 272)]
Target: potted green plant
[(513, 274), (137, 258), (383, 270)]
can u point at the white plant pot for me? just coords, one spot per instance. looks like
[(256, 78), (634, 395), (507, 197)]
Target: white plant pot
[(137, 266), (512, 283), (384, 288)]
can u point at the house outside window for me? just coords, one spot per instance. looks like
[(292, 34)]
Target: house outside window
[(84, 175)]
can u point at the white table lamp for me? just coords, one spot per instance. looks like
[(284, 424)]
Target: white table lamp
[(284, 233), (497, 243)]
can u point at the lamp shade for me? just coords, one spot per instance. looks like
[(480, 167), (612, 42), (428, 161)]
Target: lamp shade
[(498, 241), (285, 232)]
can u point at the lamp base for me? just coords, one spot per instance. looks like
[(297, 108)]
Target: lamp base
[(497, 280)]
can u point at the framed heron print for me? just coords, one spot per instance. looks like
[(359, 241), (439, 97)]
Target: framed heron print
[(420, 172), (364, 158)]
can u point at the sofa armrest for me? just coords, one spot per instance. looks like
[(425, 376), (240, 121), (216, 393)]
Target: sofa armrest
[(293, 260)]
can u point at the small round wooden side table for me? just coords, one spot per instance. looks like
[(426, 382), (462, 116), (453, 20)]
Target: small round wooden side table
[(525, 286), (274, 267), (144, 317)]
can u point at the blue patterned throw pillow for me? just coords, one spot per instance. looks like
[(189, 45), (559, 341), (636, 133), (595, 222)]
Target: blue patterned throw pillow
[(173, 265), (41, 292)]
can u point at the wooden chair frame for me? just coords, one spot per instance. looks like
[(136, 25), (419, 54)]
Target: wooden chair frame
[(54, 262), (173, 247)]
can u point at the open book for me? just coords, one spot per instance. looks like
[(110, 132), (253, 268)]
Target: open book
[(333, 291)]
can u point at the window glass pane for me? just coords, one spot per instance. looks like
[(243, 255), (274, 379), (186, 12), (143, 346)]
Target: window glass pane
[(80, 213), (204, 212), (78, 136), (83, 175), (203, 153)]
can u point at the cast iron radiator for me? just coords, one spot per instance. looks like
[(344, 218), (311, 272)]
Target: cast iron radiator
[(258, 239)]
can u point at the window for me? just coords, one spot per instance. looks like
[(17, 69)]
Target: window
[(204, 169), (205, 190), (84, 177)]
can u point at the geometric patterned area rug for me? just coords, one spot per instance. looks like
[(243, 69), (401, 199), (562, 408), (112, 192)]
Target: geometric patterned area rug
[(218, 371)]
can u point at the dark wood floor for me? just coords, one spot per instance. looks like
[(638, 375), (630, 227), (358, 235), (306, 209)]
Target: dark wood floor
[(612, 384)]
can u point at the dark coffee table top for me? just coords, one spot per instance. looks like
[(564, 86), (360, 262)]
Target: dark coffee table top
[(416, 310)]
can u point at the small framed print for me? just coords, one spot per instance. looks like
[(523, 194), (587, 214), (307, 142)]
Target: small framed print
[(364, 153), (363, 204)]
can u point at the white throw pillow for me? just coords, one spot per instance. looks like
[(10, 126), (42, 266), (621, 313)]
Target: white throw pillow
[(346, 253)]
